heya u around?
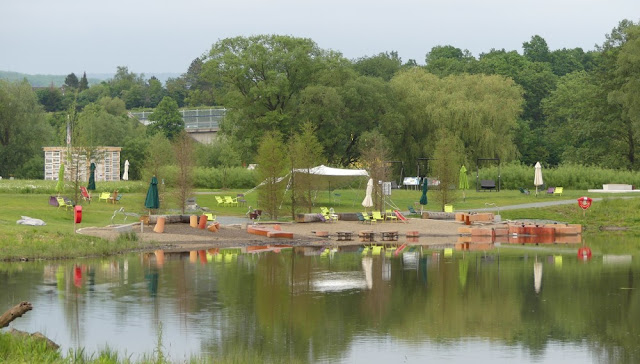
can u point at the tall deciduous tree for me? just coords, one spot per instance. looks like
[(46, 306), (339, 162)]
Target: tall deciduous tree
[(166, 119), (50, 98), (305, 152), (627, 93), (447, 159), (272, 164), (480, 110), (23, 129), (449, 60), (183, 151), (375, 152), (537, 49), (383, 65), (262, 77)]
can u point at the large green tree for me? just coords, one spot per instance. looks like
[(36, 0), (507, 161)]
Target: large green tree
[(262, 77), (166, 119), (384, 65), (23, 128), (449, 60), (479, 110)]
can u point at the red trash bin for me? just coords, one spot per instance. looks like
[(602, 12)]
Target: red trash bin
[(77, 214)]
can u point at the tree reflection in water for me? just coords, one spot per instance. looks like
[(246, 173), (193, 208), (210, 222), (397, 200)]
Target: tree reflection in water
[(298, 304)]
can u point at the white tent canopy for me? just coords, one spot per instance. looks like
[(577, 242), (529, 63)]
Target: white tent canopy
[(323, 170), (330, 178), (324, 177)]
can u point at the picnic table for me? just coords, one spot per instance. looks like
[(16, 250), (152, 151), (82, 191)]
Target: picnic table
[(366, 235), (344, 235), (389, 235)]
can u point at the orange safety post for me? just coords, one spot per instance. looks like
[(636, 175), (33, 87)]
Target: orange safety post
[(203, 222), (159, 228)]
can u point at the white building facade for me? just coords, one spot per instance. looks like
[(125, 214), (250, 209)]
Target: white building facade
[(107, 160)]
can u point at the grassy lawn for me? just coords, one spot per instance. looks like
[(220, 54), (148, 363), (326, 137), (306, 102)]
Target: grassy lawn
[(57, 238)]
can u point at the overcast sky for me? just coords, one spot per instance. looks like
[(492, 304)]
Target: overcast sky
[(152, 36)]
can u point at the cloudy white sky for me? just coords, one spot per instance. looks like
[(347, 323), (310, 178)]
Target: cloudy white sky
[(152, 36)]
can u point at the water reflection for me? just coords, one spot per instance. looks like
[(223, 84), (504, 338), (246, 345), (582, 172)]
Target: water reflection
[(333, 304)]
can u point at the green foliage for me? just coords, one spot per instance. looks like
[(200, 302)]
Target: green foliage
[(71, 81), (479, 110), (50, 98), (158, 156), (569, 176), (384, 65), (23, 128), (96, 126), (272, 163), (167, 119), (221, 152), (305, 152), (262, 77), (212, 178), (448, 60), (446, 167)]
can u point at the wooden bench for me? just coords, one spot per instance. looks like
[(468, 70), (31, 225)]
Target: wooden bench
[(344, 235), (389, 236), (487, 184)]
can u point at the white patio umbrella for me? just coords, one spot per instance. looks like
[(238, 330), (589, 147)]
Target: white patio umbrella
[(125, 175), (537, 276), (367, 266), (537, 177), (368, 201)]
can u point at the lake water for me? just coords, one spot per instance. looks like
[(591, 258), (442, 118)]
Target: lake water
[(539, 304)]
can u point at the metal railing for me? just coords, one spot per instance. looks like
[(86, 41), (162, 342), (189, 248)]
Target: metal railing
[(193, 119)]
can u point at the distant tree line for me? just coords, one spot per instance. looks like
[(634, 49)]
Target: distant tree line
[(553, 106)]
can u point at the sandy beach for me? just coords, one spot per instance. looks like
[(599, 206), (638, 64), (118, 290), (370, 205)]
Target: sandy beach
[(182, 236)]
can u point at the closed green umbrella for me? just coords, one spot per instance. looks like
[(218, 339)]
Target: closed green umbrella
[(423, 198), (152, 201), (60, 184), (92, 178), (463, 183)]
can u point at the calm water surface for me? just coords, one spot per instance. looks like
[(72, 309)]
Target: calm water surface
[(505, 305)]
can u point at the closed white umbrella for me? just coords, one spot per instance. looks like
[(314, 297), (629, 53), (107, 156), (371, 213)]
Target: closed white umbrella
[(537, 276), (125, 175), (367, 266), (537, 177), (368, 201)]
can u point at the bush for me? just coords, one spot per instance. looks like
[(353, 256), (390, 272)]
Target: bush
[(215, 178), (569, 176)]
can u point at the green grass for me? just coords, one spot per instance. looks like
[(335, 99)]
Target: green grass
[(14, 350), (57, 238)]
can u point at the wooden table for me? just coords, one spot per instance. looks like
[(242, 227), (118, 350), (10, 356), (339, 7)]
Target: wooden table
[(366, 235), (344, 235), (389, 235)]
